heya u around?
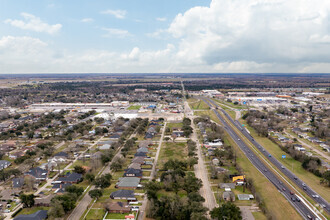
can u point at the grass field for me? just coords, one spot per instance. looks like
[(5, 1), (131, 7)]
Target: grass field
[(95, 214), (306, 176), (196, 104), (134, 107), (172, 150)]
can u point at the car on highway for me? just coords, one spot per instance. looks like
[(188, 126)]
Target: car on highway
[(265, 170), (298, 200), (282, 167), (305, 188), (238, 139), (284, 189), (295, 178), (293, 199), (291, 193), (269, 155), (315, 196), (304, 184)]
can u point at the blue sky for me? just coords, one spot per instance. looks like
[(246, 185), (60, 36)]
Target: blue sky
[(43, 36)]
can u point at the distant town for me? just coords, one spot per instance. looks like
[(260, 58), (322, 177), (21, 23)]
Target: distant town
[(155, 146)]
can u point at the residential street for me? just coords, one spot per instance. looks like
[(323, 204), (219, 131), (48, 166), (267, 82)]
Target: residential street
[(323, 154), (86, 200), (152, 175)]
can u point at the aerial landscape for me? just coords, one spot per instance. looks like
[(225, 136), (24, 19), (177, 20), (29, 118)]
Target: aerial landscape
[(164, 110)]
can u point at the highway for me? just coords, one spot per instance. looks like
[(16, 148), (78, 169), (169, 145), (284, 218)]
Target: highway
[(300, 206), (317, 198)]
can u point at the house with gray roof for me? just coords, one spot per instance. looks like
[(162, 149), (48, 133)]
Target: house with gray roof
[(38, 215), (131, 172), (18, 183), (37, 173), (123, 194), (143, 150), (245, 196), (4, 164), (104, 147), (128, 183), (139, 160)]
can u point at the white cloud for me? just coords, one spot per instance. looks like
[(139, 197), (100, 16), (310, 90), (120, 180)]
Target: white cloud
[(34, 23), (117, 13), (161, 19), (270, 33), (113, 32), (87, 20)]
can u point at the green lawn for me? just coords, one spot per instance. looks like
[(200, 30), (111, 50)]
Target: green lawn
[(174, 125), (134, 107), (116, 216), (95, 214), (259, 216), (172, 150), (197, 104)]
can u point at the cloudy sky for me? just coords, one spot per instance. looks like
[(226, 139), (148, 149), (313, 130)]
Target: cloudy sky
[(157, 36)]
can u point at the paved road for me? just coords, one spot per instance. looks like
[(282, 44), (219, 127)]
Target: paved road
[(152, 175), (202, 173), (321, 153), (79, 210), (310, 192), (301, 207)]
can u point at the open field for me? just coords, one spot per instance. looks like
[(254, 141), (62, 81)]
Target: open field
[(172, 150), (134, 107), (197, 104)]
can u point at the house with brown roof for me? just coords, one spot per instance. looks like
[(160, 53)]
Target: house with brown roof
[(118, 207)]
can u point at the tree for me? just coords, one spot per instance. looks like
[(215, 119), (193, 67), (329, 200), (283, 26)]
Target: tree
[(78, 191), (95, 193), (103, 181), (227, 211), (79, 169), (27, 200), (90, 177), (56, 210), (191, 183), (116, 165)]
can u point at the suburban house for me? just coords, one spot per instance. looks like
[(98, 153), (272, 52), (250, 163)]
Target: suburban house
[(105, 147), (37, 173), (70, 178), (140, 154), (128, 183), (4, 164), (38, 215), (143, 150), (123, 194), (61, 156), (135, 166), (139, 160), (118, 207), (228, 196), (18, 183), (245, 196), (131, 172)]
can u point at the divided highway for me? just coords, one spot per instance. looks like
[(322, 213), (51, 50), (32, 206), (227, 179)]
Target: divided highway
[(296, 201), (317, 198)]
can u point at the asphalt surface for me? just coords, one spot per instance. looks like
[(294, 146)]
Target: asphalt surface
[(305, 212), (317, 198)]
